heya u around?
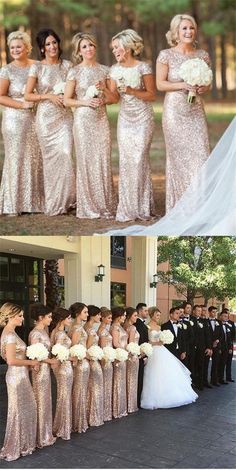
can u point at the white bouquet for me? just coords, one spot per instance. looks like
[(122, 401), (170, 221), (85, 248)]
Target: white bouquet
[(121, 355), (95, 353), (79, 351), (59, 88), (166, 337), (37, 351), (92, 92), (128, 76), (109, 354), (61, 352), (133, 348), (146, 349), (195, 72)]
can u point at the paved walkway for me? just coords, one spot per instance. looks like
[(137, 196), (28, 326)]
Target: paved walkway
[(201, 435)]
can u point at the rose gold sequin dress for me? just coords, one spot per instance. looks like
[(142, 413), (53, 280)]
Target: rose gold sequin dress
[(132, 375), (107, 368), (62, 424), (119, 378), (80, 386), (20, 436), (95, 388), (94, 184), (134, 134), (42, 391), (54, 131), (22, 177), (185, 129)]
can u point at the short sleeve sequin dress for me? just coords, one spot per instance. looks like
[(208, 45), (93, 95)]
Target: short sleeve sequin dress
[(54, 130), (107, 368), (22, 188), (41, 381), (119, 377), (134, 134), (20, 436), (132, 374), (185, 129), (95, 388), (94, 183)]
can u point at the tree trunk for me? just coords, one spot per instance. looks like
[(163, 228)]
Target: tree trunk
[(223, 66), (212, 53)]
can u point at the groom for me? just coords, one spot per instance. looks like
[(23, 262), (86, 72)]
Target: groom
[(178, 347), (142, 312)]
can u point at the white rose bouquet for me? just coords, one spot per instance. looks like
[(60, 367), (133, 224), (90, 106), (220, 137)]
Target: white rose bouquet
[(133, 348), (128, 76), (59, 88), (146, 349), (109, 354), (92, 92), (195, 72), (37, 351), (79, 351), (166, 337), (61, 352), (121, 355), (95, 353)]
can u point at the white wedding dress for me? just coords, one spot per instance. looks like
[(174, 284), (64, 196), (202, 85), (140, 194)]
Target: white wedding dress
[(166, 381), (208, 206)]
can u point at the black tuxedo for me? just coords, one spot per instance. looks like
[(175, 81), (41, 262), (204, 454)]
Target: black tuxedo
[(230, 355), (143, 338), (225, 345), (202, 342), (178, 345), (215, 334)]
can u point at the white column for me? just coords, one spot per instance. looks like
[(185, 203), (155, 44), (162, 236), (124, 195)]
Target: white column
[(144, 265)]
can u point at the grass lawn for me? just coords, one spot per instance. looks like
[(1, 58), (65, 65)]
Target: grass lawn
[(219, 116)]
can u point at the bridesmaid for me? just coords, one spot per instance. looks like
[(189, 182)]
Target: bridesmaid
[(184, 124), (42, 380), (95, 388), (105, 339), (81, 371), (22, 178), (133, 362), (135, 127), (119, 339), (62, 425), (20, 436), (95, 194), (53, 123)]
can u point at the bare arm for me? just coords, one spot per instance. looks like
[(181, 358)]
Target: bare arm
[(70, 101), (6, 100), (13, 361), (116, 338), (162, 82), (35, 97), (148, 94)]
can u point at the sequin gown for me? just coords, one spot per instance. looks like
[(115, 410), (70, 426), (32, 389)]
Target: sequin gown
[(132, 375), (62, 424), (54, 130), (134, 134), (185, 129), (94, 184), (107, 368), (22, 187), (95, 388), (20, 436), (80, 386), (119, 378), (42, 391)]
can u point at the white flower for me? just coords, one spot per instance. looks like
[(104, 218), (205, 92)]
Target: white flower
[(37, 351), (121, 355), (95, 353), (133, 348), (109, 354), (59, 88), (196, 72), (179, 325), (166, 337), (79, 351), (91, 92), (216, 323), (61, 352), (184, 326), (146, 349), (129, 76), (200, 324), (191, 323)]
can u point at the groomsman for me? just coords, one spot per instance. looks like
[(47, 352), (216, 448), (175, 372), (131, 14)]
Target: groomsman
[(190, 320), (224, 347), (142, 328), (215, 338), (187, 333), (178, 347), (231, 326), (202, 344)]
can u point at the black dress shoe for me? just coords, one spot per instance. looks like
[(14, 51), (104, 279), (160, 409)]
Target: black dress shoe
[(230, 380), (208, 386), (215, 384), (222, 382)]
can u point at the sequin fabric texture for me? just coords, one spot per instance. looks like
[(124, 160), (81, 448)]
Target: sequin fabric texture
[(95, 388), (80, 386), (20, 436), (41, 381), (107, 368), (185, 129), (22, 188), (134, 134), (132, 374), (94, 183), (119, 378), (54, 131)]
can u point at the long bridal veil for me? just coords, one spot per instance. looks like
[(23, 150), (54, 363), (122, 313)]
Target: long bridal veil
[(208, 206)]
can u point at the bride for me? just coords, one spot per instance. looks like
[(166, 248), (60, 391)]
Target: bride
[(166, 382)]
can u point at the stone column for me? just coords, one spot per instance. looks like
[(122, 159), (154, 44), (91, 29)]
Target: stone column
[(144, 265)]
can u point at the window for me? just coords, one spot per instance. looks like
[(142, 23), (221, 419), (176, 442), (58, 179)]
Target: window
[(118, 294), (118, 252)]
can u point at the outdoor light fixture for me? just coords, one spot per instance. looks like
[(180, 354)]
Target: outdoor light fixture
[(154, 281), (100, 273)]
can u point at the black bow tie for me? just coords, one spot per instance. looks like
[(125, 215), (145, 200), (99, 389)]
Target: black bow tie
[(175, 322), (212, 319), (186, 318)]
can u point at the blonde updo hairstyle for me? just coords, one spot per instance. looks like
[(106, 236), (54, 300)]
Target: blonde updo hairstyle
[(20, 35), (7, 311), (153, 310), (76, 42), (129, 39), (172, 35)]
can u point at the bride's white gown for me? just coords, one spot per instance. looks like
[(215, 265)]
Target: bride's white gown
[(166, 381), (208, 206)]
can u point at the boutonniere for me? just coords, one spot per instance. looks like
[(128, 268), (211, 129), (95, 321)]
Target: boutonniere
[(148, 327), (200, 324), (229, 325), (191, 323), (179, 325), (216, 323), (184, 326)]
